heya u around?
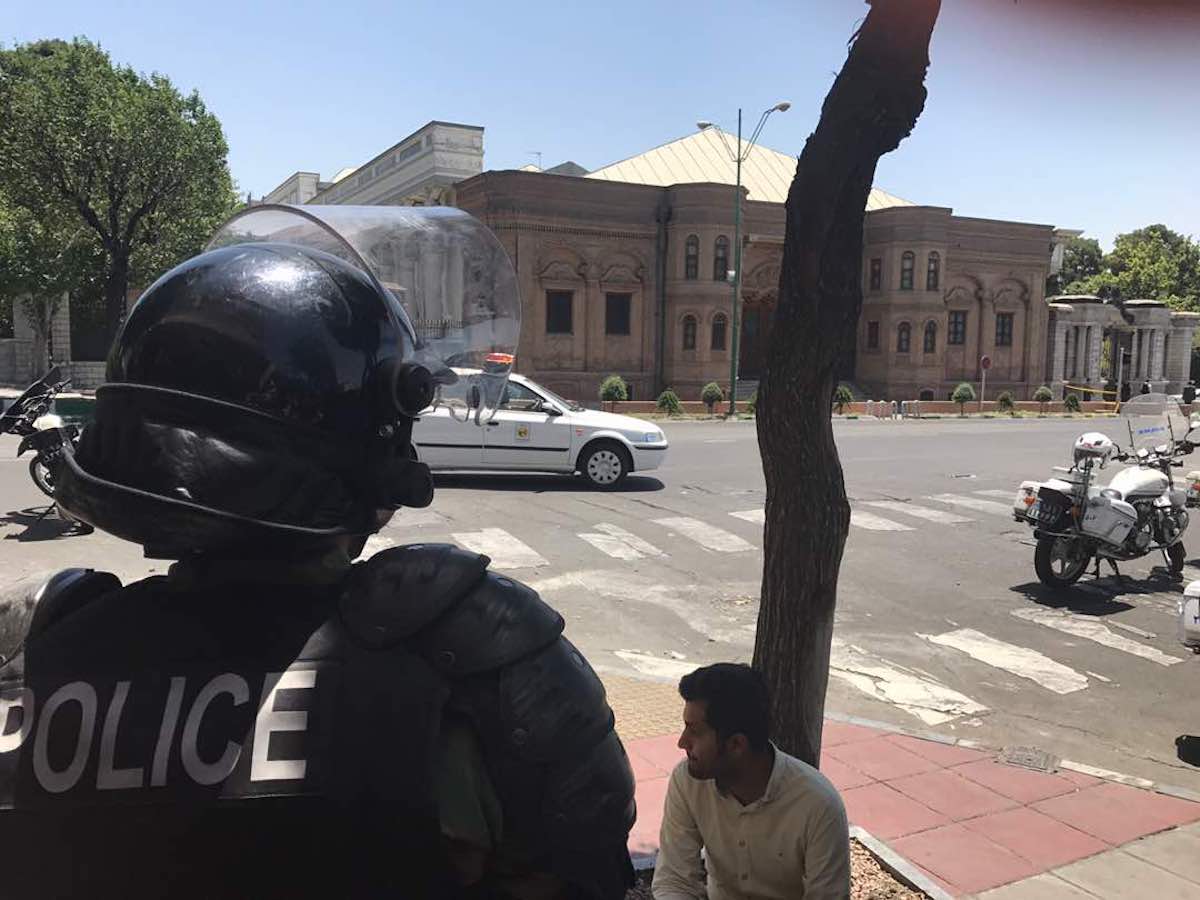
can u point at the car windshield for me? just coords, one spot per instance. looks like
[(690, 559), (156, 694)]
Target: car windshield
[(550, 395)]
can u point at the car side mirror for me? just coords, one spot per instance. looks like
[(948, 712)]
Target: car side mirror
[(545, 406)]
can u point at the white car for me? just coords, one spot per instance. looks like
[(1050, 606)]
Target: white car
[(535, 430)]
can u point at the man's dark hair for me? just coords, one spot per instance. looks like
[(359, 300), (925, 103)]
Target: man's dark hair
[(735, 700)]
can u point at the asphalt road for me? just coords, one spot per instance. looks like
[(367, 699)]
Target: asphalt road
[(941, 622)]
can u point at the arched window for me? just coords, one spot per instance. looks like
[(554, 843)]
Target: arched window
[(691, 260), (931, 337), (906, 270), (718, 331), (689, 332), (933, 271), (721, 258), (903, 337)]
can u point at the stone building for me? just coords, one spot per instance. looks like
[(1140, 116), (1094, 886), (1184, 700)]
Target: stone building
[(626, 270)]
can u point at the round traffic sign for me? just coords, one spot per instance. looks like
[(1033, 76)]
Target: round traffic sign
[(985, 363)]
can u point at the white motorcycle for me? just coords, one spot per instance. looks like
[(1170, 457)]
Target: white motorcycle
[(1140, 511)]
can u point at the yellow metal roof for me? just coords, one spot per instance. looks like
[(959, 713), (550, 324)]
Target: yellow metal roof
[(705, 156)]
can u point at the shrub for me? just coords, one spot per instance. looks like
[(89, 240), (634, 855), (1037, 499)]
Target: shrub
[(842, 398), (668, 402), (963, 394), (1043, 395), (712, 395), (752, 404), (1071, 403), (1005, 402), (614, 388)]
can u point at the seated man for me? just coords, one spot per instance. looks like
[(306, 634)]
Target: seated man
[(769, 824)]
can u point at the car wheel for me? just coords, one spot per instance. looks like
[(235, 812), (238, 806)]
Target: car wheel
[(605, 465)]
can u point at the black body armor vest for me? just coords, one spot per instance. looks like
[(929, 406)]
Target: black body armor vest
[(224, 740)]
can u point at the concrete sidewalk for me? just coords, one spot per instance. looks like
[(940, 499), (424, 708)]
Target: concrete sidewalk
[(967, 821)]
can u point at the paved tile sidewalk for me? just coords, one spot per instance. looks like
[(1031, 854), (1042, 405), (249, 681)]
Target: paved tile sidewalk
[(970, 823)]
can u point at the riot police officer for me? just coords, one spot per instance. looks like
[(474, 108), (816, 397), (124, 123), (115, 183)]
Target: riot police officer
[(270, 719)]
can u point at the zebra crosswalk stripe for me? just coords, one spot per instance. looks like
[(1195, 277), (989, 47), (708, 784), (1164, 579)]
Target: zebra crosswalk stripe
[(619, 543), (872, 522), (1085, 627), (920, 512), (707, 536), (505, 551), (987, 506), (1021, 661), (755, 516), (914, 692)]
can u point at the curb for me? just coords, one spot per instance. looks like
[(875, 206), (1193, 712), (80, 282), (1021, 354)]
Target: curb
[(1133, 781), (897, 866)]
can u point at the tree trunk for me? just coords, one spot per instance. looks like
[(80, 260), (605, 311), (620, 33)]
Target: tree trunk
[(116, 286), (873, 105)]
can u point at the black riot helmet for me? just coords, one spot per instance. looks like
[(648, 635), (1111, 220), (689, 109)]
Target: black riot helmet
[(260, 397)]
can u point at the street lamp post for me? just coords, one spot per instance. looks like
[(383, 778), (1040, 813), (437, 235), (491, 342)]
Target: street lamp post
[(738, 158)]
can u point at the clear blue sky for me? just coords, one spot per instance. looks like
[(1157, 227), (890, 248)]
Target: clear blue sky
[(1033, 115)]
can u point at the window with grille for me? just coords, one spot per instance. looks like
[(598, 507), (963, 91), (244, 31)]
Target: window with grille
[(616, 313), (876, 274), (872, 335), (558, 312), (933, 272), (691, 259), (1004, 329), (718, 332), (958, 327), (903, 337), (689, 332), (906, 270), (721, 259), (930, 337)]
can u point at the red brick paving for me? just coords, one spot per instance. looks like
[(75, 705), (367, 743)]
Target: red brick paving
[(1023, 785), (1044, 842), (906, 791), (950, 794), (942, 754), (965, 859), (887, 813), (881, 759), (1119, 814)]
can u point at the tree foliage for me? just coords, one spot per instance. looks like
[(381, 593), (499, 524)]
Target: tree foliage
[(1071, 403), (712, 395), (614, 388), (842, 397), (1082, 258), (1005, 402), (668, 402), (41, 259), (963, 394), (1153, 263), (128, 157), (1043, 395)]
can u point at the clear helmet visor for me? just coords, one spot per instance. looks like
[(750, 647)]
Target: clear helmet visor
[(448, 280)]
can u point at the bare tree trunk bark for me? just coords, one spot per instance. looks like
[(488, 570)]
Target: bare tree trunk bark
[(872, 106), (116, 285)]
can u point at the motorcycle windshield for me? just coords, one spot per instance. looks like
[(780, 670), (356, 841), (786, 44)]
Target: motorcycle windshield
[(38, 389), (448, 279), (1152, 421)]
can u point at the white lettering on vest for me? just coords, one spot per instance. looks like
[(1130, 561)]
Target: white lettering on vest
[(270, 720), (162, 750), (200, 771), (57, 782), (22, 699), (109, 778)]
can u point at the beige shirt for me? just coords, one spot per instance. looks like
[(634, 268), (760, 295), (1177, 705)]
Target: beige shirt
[(790, 843)]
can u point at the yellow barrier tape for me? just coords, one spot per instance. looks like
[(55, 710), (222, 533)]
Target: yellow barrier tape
[(1088, 388)]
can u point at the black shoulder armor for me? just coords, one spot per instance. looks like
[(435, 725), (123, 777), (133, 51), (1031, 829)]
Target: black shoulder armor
[(32, 605), (399, 591)]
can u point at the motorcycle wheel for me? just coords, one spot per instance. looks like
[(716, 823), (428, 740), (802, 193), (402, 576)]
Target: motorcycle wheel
[(1177, 556), (1056, 564), (41, 476)]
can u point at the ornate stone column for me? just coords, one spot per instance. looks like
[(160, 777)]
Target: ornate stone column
[(1095, 350)]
